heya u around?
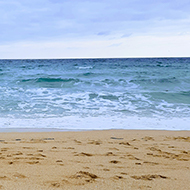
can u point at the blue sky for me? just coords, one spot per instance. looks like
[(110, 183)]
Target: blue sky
[(96, 28)]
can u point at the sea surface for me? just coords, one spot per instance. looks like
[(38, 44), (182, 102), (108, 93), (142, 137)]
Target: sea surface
[(95, 94)]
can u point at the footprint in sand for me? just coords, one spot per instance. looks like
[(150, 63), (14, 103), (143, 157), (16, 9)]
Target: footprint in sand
[(83, 154), (83, 177), (171, 146), (79, 178), (86, 168), (114, 162), (94, 142), (2, 157), (55, 184), (107, 170), (4, 149), (33, 162), (150, 163), (17, 154), (69, 148), (3, 177), (125, 143), (60, 162), (39, 150), (118, 177), (168, 155), (131, 157), (110, 154), (186, 139), (42, 155), (147, 138), (149, 177), (37, 141), (78, 142), (113, 149), (26, 147), (18, 175)]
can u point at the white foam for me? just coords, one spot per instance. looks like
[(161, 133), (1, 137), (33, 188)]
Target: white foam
[(98, 123), (86, 67)]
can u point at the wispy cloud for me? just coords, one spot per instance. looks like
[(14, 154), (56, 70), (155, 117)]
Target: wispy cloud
[(115, 45)]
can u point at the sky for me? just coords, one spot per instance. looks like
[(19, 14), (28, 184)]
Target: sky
[(32, 29)]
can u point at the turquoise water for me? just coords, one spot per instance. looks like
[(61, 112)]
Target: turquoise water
[(76, 94)]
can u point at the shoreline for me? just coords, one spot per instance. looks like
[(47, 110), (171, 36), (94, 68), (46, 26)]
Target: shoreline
[(53, 130), (98, 159)]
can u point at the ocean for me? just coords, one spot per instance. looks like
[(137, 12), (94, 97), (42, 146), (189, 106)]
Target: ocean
[(95, 94)]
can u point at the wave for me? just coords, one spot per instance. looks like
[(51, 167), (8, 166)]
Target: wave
[(51, 80), (57, 80), (88, 74), (156, 80), (109, 97), (182, 97)]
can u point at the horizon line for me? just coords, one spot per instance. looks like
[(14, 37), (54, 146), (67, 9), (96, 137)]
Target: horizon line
[(138, 57)]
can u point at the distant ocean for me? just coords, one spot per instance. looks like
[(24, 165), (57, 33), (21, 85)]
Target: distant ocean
[(93, 94)]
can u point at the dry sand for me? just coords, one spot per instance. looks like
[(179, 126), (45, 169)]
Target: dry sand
[(113, 159)]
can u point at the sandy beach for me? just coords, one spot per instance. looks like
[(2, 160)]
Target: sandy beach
[(113, 159)]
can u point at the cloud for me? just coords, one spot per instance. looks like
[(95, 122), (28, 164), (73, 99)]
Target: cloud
[(126, 35), (134, 46), (105, 33), (24, 21), (115, 45)]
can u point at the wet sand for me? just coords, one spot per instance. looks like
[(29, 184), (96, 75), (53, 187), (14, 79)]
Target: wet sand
[(113, 159)]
